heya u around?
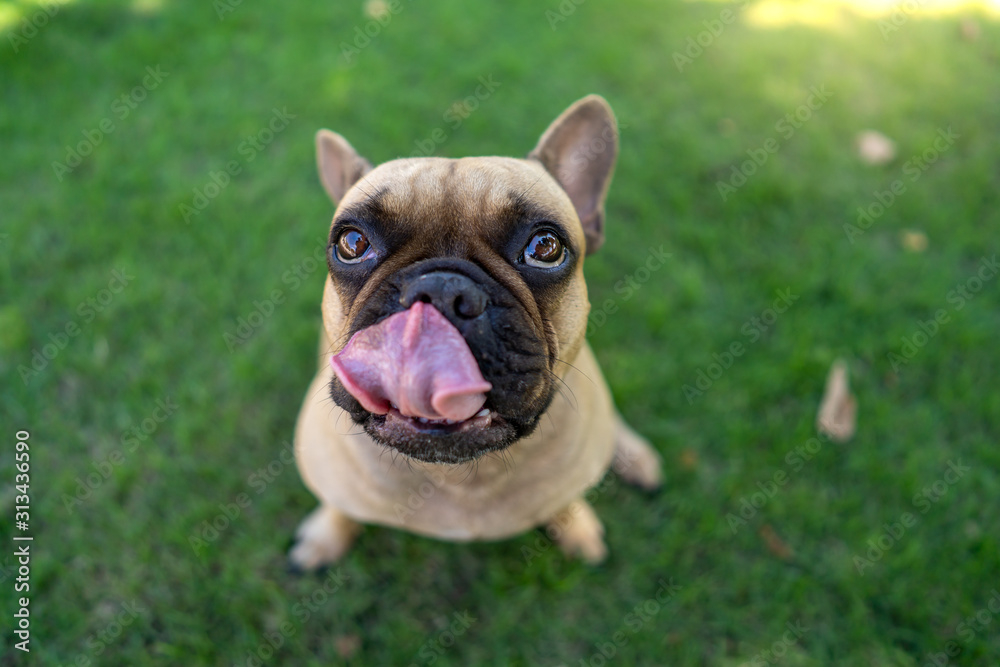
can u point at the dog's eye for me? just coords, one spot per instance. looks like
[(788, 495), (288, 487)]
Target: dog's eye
[(352, 246), (544, 250)]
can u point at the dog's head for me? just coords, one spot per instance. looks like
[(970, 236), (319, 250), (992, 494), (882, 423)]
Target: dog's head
[(456, 289)]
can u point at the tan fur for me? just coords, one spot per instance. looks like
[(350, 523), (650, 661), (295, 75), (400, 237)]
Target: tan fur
[(502, 494), (495, 497)]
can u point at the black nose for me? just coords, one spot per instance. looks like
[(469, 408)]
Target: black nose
[(451, 293)]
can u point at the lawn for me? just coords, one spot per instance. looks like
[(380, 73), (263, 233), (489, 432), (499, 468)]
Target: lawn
[(160, 220)]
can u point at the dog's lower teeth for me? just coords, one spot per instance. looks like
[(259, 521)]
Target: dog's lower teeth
[(450, 422)]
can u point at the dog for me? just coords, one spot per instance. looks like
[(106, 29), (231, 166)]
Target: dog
[(466, 402)]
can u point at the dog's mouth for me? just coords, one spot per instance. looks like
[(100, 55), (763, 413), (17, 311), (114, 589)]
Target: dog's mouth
[(420, 388), (441, 440), (416, 363)]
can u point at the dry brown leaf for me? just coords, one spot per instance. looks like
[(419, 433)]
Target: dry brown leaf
[(970, 30), (377, 9), (689, 459), (838, 411), (914, 240), (774, 543), (875, 148), (347, 645)]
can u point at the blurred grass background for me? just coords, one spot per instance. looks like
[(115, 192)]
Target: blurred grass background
[(162, 338)]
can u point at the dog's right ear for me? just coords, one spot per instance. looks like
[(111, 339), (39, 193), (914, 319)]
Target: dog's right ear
[(339, 164), (579, 151)]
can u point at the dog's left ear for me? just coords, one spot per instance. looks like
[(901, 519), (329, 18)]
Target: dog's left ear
[(579, 150), (339, 164)]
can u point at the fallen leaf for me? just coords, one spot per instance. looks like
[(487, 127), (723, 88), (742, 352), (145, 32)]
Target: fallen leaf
[(875, 148), (774, 543), (376, 9), (970, 30), (689, 459), (914, 240), (347, 645), (838, 411)]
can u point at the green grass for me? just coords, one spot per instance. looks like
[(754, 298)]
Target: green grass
[(162, 336)]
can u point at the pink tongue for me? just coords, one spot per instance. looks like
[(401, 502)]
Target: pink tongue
[(416, 360)]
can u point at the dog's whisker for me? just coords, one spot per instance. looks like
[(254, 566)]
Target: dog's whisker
[(561, 386), (470, 467), (531, 187), (566, 363)]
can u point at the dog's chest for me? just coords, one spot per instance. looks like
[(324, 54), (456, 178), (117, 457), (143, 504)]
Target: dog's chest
[(497, 496)]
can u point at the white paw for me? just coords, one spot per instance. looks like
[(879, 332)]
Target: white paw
[(321, 539), (636, 461), (579, 532)]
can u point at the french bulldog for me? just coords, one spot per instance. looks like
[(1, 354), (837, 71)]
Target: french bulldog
[(457, 396)]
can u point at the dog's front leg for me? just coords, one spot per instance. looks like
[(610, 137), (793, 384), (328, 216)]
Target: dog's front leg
[(636, 460), (578, 532), (322, 538)]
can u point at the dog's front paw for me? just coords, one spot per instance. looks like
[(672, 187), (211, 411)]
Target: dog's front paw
[(321, 539), (635, 459), (579, 532)]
